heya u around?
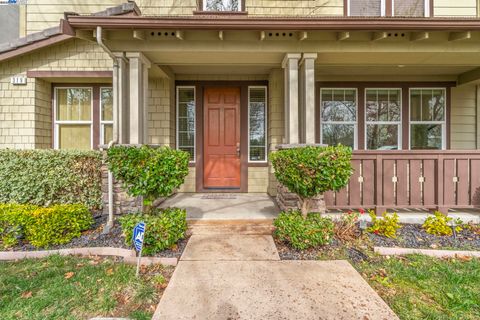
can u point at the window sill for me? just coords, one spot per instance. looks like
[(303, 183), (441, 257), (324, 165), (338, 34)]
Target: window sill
[(258, 164), (220, 13)]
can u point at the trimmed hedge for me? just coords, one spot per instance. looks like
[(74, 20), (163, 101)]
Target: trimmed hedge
[(41, 226), (48, 177)]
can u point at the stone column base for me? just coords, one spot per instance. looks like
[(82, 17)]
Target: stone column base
[(287, 200)]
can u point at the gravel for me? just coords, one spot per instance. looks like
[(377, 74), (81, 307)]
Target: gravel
[(95, 238)]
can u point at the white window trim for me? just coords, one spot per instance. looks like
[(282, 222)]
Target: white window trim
[(355, 123), (177, 133), (56, 141), (240, 3), (266, 124), (103, 122), (426, 7), (399, 123), (382, 9), (443, 123)]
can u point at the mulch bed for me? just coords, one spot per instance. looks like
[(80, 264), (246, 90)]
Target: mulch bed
[(95, 238)]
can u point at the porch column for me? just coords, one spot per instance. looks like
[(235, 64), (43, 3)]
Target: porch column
[(139, 65), (307, 97), (290, 65), (120, 98)]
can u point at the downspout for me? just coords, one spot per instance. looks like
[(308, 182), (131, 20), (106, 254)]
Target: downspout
[(115, 138)]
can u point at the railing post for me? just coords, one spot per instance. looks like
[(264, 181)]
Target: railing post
[(440, 185), (379, 208)]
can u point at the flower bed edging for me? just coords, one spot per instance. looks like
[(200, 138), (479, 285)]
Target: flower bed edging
[(385, 251), (127, 254)]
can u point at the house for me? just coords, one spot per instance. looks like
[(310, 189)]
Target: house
[(230, 80)]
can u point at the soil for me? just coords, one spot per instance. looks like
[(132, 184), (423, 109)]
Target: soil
[(95, 238)]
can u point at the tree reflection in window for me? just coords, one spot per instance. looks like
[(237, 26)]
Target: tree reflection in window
[(221, 5)]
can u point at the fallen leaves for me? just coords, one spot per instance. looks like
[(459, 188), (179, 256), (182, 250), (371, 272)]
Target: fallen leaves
[(68, 275), (109, 271), (26, 294)]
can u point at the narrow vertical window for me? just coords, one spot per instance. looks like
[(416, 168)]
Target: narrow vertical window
[(370, 8), (186, 120), (257, 121), (339, 116), (73, 118), (383, 118), (427, 119), (106, 115)]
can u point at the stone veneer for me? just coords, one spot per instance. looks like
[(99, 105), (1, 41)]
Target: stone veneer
[(287, 200)]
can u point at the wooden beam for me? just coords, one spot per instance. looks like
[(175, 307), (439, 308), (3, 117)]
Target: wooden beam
[(376, 36), (220, 34), (419, 36), (469, 76), (341, 36), (303, 35), (139, 35), (263, 35), (458, 36), (179, 34), (85, 35)]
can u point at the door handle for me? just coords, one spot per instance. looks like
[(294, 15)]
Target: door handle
[(238, 149)]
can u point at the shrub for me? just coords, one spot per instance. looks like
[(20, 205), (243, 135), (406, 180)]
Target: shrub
[(41, 226), (386, 226), (440, 225), (310, 171), (48, 177), (301, 233), (162, 231), (148, 172), (346, 228)]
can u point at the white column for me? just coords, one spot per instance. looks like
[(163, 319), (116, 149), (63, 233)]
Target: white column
[(290, 65), (138, 101), (120, 99), (307, 97)]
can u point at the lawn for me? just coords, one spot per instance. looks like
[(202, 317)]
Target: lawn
[(78, 288)]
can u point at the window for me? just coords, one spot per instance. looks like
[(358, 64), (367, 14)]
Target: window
[(257, 120), (411, 8), (73, 118), (427, 118), (339, 116), (222, 5), (374, 8), (186, 120), (383, 118), (106, 115)]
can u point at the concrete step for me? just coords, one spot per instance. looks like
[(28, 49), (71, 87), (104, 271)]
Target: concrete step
[(247, 227)]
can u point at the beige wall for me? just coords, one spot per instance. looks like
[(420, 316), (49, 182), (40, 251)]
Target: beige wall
[(455, 8), (161, 113), (189, 185), (463, 117)]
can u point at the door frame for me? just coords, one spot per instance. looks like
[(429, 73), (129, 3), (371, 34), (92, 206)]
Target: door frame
[(199, 130)]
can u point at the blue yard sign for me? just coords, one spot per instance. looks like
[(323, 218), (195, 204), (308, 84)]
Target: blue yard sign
[(138, 235)]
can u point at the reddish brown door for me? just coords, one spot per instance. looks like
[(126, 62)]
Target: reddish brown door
[(222, 138)]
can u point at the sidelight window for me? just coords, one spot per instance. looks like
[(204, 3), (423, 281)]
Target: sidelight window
[(186, 120), (257, 123)]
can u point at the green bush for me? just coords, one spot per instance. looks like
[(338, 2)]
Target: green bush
[(48, 177), (386, 226), (148, 172), (440, 225), (310, 171), (162, 231), (41, 226), (302, 233)]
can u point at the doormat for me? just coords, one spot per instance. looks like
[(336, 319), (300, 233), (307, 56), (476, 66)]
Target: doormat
[(219, 196)]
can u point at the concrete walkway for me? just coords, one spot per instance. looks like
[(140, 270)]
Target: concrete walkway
[(241, 277)]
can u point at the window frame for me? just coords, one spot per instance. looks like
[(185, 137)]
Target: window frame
[(56, 123), (399, 123), (387, 9), (355, 128), (177, 131), (443, 123), (202, 7), (266, 125), (101, 122)]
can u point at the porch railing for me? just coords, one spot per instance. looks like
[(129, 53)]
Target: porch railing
[(435, 180)]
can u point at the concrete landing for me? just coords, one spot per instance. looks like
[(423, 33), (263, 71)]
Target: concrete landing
[(270, 290)]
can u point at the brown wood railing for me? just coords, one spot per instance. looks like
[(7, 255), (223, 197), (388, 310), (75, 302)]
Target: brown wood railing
[(435, 180)]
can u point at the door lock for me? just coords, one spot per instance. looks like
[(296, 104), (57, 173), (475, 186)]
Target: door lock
[(238, 149)]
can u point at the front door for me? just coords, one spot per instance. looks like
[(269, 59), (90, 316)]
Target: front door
[(221, 138)]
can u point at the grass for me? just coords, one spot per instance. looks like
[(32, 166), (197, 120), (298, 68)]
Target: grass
[(416, 286), (60, 287)]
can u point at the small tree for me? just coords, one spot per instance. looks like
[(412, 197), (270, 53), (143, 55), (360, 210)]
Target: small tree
[(148, 172), (311, 171)]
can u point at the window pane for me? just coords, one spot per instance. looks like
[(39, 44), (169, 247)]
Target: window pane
[(106, 100), (339, 105), (74, 104), (366, 8), (222, 5), (257, 117), (74, 136), (426, 136), (427, 105), (107, 133), (409, 8), (382, 136), (333, 134), (383, 105), (186, 120)]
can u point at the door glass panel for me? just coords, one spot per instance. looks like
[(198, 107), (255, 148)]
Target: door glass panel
[(186, 120), (257, 124)]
